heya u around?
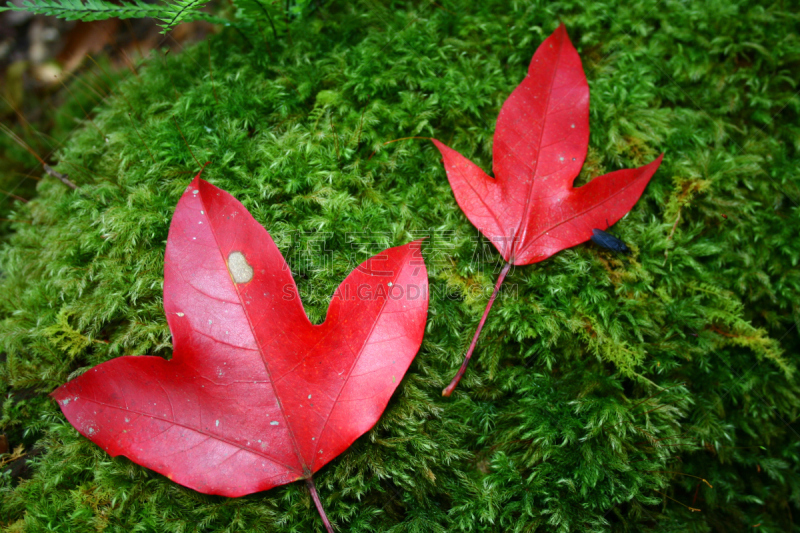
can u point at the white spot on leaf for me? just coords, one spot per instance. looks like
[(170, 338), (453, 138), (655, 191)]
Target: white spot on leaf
[(240, 269)]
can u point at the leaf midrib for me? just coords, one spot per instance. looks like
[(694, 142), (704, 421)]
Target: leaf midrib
[(255, 337), (534, 179)]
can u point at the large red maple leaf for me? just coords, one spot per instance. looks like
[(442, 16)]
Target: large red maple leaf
[(255, 395), (530, 210)]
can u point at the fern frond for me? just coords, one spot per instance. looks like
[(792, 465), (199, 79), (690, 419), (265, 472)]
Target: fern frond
[(170, 14), (181, 11), (87, 10)]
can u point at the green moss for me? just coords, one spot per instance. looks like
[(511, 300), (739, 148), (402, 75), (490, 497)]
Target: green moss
[(597, 379)]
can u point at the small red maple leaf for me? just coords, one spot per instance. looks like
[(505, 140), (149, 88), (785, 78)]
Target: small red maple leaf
[(255, 395), (530, 210)]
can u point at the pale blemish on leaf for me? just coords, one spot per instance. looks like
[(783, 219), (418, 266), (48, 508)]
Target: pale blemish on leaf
[(240, 269)]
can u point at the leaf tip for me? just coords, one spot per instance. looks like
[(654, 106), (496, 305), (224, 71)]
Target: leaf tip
[(560, 33), (438, 144), (653, 165), (196, 181)]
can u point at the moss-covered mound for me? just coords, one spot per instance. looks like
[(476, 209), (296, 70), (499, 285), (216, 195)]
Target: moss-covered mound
[(604, 387)]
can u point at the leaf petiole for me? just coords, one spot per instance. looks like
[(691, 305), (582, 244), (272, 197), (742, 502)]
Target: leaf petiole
[(450, 388), (315, 496)]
